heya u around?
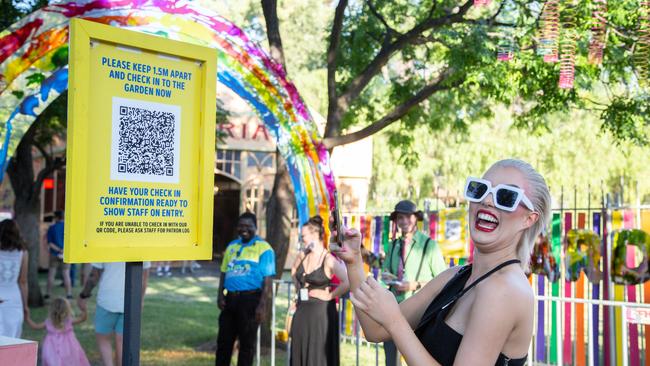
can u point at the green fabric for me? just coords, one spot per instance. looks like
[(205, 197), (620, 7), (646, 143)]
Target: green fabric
[(432, 263), (556, 247)]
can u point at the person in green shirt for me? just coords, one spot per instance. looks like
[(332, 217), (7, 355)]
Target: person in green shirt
[(412, 260)]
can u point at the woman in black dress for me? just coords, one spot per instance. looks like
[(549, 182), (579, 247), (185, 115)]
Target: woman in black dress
[(479, 314), (314, 328)]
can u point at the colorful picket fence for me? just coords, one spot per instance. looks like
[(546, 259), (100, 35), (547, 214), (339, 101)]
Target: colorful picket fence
[(573, 327)]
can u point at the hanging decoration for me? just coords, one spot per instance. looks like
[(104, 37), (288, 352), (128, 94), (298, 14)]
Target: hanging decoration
[(598, 32), (568, 43), (550, 31), (482, 2), (582, 253), (623, 271), (641, 56), (506, 44), (543, 262)]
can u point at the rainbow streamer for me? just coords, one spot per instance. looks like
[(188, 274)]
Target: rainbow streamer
[(607, 324), (433, 225), (580, 359), (645, 226), (595, 295), (619, 295), (35, 48), (376, 248), (385, 234), (633, 329), (556, 240), (540, 338), (567, 349)]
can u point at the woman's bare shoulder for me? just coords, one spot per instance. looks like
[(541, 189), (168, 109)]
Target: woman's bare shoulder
[(510, 289)]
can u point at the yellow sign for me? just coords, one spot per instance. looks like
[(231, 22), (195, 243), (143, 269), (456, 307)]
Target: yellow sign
[(140, 160), (452, 232)]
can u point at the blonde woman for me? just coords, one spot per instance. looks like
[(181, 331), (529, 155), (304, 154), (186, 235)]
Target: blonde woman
[(479, 314)]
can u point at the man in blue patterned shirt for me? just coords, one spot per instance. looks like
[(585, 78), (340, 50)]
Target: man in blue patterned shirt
[(247, 270)]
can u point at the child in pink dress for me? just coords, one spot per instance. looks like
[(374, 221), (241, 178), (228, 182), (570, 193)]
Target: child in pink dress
[(60, 346)]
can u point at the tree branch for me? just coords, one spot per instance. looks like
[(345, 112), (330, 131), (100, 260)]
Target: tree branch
[(332, 53), (395, 114), (41, 149), (389, 30), (269, 8), (356, 86), (434, 4)]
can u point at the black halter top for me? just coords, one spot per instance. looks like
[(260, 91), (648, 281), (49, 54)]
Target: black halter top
[(440, 339), (317, 279)]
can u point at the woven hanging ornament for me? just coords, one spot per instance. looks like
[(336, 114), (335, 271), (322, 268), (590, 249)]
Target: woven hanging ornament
[(568, 42), (550, 31), (598, 32), (506, 43), (641, 56)]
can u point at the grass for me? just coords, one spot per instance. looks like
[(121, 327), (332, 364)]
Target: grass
[(180, 315)]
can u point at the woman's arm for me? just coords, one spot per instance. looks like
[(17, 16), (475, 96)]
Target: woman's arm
[(22, 281)]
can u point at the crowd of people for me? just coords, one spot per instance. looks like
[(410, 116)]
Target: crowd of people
[(425, 313)]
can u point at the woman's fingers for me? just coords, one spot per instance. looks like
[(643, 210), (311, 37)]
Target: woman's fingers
[(372, 283), (357, 302)]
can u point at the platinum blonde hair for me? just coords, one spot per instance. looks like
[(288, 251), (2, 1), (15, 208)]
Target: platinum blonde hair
[(540, 196)]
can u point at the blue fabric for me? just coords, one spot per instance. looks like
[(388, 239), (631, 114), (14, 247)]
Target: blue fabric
[(246, 264), (107, 322), (55, 236)]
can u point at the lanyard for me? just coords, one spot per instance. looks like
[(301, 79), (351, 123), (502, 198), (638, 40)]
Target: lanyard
[(401, 257)]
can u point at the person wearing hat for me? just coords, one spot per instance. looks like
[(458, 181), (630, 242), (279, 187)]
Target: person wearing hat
[(412, 260)]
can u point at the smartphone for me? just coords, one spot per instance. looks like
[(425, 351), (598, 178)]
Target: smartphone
[(336, 242)]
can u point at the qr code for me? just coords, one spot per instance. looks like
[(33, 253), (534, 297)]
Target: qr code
[(145, 141)]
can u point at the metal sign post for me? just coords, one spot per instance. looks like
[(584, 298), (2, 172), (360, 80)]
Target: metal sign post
[(132, 314)]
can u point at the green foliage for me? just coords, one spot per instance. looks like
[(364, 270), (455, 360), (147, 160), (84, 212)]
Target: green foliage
[(467, 47), (571, 154)]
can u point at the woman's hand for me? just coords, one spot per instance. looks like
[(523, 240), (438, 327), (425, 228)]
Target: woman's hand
[(321, 294), (376, 301), (350, 252)]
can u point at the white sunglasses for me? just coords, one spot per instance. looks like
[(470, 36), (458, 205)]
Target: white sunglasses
[(505, 197)]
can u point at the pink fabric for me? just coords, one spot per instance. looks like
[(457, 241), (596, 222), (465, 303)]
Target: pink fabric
[(61, 347)]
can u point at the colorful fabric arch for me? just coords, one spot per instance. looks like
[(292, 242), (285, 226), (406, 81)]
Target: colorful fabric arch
[(33, 72)]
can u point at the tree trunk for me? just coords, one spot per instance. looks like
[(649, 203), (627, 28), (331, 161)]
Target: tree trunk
[(27, 207), (279, 211), (28, 219)]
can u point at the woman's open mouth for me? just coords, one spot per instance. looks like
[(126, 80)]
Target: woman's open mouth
[(486, 221)]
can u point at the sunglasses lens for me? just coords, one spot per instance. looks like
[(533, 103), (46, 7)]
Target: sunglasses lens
[(476, 189), (506, 197)]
